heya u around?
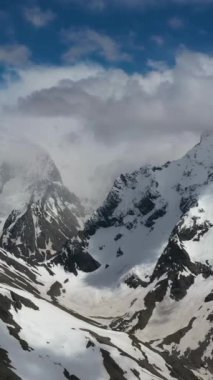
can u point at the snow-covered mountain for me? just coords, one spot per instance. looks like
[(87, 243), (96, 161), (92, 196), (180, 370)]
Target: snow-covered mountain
[(41, 339), (154, 233), (37, 212), (131, 292), (145, 208)]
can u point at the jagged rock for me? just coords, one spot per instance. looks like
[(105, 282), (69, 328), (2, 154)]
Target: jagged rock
[(134, 282), (146, 205), (50, 216), (209, 298), (73, 258)]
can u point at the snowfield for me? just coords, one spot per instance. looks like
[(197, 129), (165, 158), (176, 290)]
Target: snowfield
[(60, 344)]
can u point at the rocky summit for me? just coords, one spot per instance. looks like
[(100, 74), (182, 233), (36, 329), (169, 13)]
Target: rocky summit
[(126, 294)]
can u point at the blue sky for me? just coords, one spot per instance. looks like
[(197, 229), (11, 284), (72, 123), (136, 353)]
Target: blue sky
[(106, 86), (127, 34)]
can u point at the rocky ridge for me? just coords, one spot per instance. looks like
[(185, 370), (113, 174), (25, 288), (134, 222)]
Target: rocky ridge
[(132, 288)]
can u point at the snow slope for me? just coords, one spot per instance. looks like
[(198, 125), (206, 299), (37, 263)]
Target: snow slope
[(153, 238), (130, 293), (37, 213), (133, 226), (41, 340)]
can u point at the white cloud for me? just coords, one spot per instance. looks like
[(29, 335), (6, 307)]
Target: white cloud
[(14, 54), (38, 17), (87, 42), (176, 23), (158, 40), (97, 123), (100, 5)]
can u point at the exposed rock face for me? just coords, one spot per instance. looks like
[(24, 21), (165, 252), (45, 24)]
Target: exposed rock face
[(176, 260), (42, 228), (43, 213), (73, 258)]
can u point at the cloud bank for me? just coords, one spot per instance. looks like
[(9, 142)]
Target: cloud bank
[(87, 42), (14, 54), (97, 123), (38, 17)]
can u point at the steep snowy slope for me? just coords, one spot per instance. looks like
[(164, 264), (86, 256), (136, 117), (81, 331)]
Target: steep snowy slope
[(146, 311), (140, 213), (37, 213), (153, 238), (41, 340), (42, 335)]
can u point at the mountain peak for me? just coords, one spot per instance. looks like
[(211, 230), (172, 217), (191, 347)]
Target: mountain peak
[(206, 135), (144, 207), (37, 212)]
